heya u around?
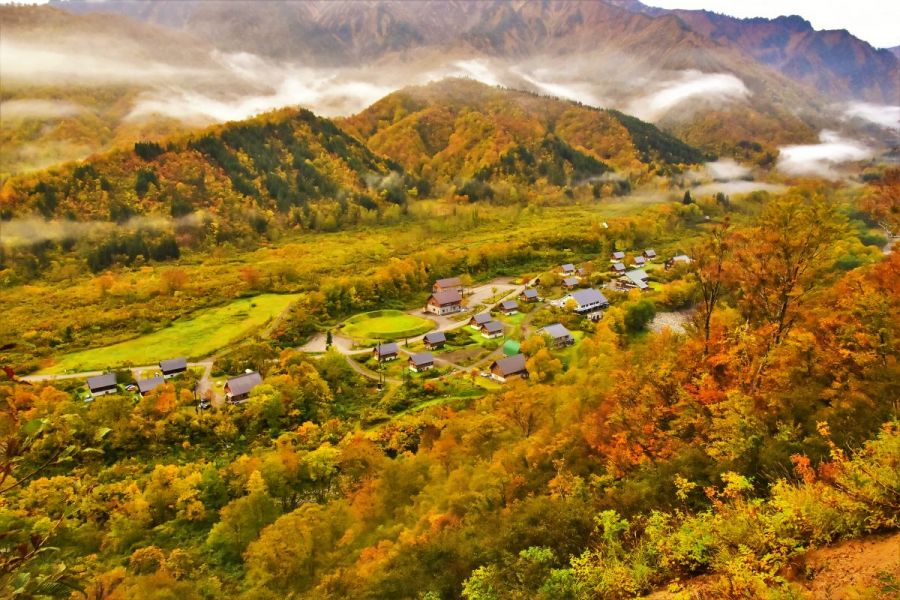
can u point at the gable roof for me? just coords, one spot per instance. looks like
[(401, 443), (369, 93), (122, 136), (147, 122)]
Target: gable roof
[(173, 364), (421, 358), (589, 296), (639, 260), (448, 282), (510, 365), (445, 297), (388, 348), (618, 266), (508, 304), (242, 384), (570, 281), (650, 252), (435, 337), (482, 318), (681, 258), (492, 326), (618, 255), (146, 385), (530, 293), (99, 382), (568, 267), (638, 277), (556, 331)]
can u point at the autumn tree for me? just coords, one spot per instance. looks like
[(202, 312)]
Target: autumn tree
[(710, 261)]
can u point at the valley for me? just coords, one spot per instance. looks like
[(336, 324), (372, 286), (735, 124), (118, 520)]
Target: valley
[(445, 301)]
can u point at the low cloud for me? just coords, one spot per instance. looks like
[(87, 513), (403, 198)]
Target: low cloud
[(704, 88), (822, 159), (726, 169), (30, 108), (884, 115), (34, 230)]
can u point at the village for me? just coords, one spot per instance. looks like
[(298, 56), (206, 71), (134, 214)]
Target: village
[(461, 330)]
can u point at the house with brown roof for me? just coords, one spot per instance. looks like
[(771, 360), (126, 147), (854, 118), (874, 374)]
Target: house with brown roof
[(444, 302), (511, 366), (448, 284)]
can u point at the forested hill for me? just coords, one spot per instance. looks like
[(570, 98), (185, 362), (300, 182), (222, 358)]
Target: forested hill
[(453, 137), (289, 162), (458, 129)]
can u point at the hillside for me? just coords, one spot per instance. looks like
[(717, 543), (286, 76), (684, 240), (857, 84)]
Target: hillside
[(834, 62), (77, 99), (457, 130), (289, 167)]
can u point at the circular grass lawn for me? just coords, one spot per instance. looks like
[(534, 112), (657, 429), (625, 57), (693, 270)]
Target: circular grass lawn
[(386, 325)]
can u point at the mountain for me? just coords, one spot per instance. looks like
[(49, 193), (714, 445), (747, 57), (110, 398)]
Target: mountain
[(836, 63), (895, 51), (457, 130), (290, 161), (65, 96)]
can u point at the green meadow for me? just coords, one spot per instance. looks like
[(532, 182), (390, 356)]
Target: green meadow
[(196, 337)]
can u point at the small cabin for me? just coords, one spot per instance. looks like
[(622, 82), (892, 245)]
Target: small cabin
[(421, 361), (640, 261), (618, 256), (492, 329), (567, 269), (145, 386), (102, 384), (570, 282), (637, 279), (678, 259), (649, 253), (385, 352), (509, 307), (529, 295), (619, 267), (559, 336), (237, 389), (435, 340), (480, 319), (172, 367), (448, 284), (511, 366)]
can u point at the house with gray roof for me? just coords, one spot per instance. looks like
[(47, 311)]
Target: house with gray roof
[(384, 352), (421, 361), (636, 278), (237, 389), (511, 366), (619, 267), (102, 384), (529, 295), (678, 259), (172, 367), (567, 269), (435, 339), (145, 386), (492, 329), (618, 256), (570, 282), (480, 319), (559, 336), (640, 261), (649, 253), (587, 300), (509, 307)]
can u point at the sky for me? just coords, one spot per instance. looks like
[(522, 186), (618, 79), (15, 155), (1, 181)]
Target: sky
[(875, 21)]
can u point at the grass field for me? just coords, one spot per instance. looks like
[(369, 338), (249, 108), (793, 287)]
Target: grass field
[(386, 325), (195, 337)]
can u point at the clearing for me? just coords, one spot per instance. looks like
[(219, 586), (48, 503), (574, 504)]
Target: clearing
[(195, 337), (386, 325)]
